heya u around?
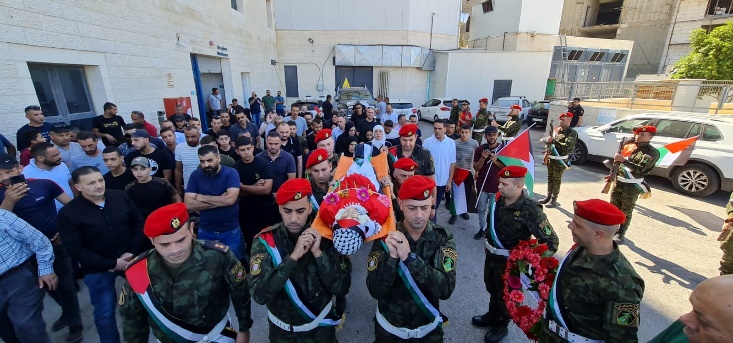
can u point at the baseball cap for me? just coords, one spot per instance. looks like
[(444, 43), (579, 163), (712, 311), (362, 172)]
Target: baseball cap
[(140, 161), (61, 129), (140, 133), (7, 161)]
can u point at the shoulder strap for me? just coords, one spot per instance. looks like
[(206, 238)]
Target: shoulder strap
[(216, 246), (493, 235)]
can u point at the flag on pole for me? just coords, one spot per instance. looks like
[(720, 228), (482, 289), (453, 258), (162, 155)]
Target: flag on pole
[(346, 83), (677, 153), (458, 204), (518, 152)]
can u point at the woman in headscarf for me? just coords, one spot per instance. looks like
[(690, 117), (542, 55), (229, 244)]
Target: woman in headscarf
[(351, 143), (379, 140), (341, 143)]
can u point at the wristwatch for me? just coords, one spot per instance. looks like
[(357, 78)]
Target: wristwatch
[(411, 257)]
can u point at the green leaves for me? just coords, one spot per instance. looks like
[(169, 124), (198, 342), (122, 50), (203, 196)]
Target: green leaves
[(711, 57)]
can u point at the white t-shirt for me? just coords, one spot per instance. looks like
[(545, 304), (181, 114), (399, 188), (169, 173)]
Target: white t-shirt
[(189, 158), (444, 154)]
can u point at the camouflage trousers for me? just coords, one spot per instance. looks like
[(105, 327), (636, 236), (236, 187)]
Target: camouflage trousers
[(624, 196), (382, 336), (555, 169), (317, 335), (726, 244), (494, 268), (478, 136)]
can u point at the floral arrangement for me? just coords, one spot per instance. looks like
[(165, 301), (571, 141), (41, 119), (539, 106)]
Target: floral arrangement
[(535, 264)]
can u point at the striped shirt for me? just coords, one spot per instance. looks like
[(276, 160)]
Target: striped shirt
[(189, 158), (464, 153), (19, 241)]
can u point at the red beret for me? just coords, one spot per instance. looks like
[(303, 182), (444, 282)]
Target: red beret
[(323, 135), (567, 115), (599, 211), (406, 164), (408, 130), (516, 107), (166, 220), (511, 172), (293, 189), (316, 157), (484, 100), (647, 128), (417, 187)]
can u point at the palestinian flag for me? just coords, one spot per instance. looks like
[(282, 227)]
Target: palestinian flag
[(677, 153), (458, 203), (518, 152)]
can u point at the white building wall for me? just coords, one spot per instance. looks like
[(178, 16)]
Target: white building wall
[(471, 73), (504, 18), (127, 48), (540, 16)]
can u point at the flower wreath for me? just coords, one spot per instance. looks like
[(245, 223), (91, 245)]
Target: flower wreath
[(531, 267)]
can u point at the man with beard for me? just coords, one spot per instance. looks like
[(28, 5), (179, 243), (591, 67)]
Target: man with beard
[(255, 186), (300, 122), (243, 124), (213, 190), (215, 126), (119, 175), (455, 111), (90, 156), (37, 122), (296, 273), (179, 110), (403, 169), (412, 269), (282, 164), (316, 126), (367, 124), (408, 148), (187, 158), (291, 145), (61, 138), (514, 218), (109, 125), (160, 163), (487, 168), (318, 170), (47, 164)]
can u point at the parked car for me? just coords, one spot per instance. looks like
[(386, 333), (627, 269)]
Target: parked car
[(710, 167), (346, 98), (501, 107), (537, 114), (436, 108), (402, 106), (314, 106)]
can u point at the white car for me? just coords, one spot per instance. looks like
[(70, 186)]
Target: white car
[(501, 107), (710, 167), (402, 106), (436, 108)]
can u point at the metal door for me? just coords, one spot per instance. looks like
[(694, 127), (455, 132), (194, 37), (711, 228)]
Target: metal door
[(357, 76), (502, 88)]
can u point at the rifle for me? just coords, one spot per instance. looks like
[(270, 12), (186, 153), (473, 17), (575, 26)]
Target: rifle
[(548, 146), (615, 167)]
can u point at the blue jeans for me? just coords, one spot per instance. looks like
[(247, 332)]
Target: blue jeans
[(485, 200), (103, 296), (233, 238), (440, 190), (21, 302)]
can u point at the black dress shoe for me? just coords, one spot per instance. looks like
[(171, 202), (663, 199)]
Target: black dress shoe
[(496, 335), (76, 334), (465, 216), (452, 220), (480, 234), (59, 325), (482, 321)]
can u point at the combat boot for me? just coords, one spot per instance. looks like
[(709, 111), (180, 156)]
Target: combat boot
[(496, 335), (483, 321), (480, 234), (546, 199), (552, 202)]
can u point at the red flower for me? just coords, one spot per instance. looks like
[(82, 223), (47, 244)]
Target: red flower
[(532, 242), (544, 290), (517, 296), (552, 263), (540, 249), (514, 282)]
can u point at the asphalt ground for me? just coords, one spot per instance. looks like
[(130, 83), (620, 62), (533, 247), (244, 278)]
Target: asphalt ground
[(671, 244)]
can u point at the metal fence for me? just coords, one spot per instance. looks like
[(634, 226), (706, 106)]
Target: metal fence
[(664, 95)]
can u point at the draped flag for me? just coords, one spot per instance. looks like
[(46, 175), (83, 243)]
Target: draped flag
[(676, 153), (458, 204), (518, 152)]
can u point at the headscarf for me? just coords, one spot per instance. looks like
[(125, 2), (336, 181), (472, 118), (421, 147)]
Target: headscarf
[(342, 145), (348, 141), (378, 143)]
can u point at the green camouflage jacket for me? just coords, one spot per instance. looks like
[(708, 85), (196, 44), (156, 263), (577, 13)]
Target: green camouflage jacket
[(317, 280), (421, 156), (522, 220), (199, 293), (434, 272), (599, 297), (642, 160), (455, 112), (483, 118), (511, 127), (565, 140)]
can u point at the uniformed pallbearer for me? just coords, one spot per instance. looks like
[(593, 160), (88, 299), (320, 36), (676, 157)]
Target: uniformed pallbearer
[(637, 158), (417, 261), (511, 128), (596, 289), (403, 168), (516, 217), (181, 288), (296, 274), (561, 143)]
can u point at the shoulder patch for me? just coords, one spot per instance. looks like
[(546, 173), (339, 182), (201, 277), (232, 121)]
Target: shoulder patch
[(237, 272), (216, 246), (373, 260), (626, 314), (255, 265), (450, 257)]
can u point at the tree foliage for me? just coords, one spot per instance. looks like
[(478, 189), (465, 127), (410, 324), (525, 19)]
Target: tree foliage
[(711, 57)]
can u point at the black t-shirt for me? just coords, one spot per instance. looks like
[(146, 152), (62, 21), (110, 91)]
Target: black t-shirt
[(111, 126), (151, 196), (311, 139), (293, 147), (363, 126), (577, 113), (232, 152), (118, 182), (249, 174), (159, 161)]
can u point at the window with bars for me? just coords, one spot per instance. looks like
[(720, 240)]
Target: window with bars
[(720, 7), (487, 6)]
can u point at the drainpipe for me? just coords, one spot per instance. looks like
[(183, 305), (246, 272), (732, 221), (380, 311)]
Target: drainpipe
[(503, 41)]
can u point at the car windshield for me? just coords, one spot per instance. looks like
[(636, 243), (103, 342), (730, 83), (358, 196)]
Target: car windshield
[(401, 105), (355, 95), (541, 105), (505, 103)]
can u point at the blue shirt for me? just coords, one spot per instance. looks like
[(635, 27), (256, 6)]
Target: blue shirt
[(38, 207), (218, 219), (279, 103), (279, 167), (59, 174), (83, 160), (19, 241)]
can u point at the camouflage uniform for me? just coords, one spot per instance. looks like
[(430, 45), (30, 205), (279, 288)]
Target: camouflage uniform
[(513, 223), (480, 122), (564, 142), (197, 292), (317, 281), (624, 195), (398, 215), (433, 270), (318, 193), (726, 242), (455, 113), (421, 156), (511, 127), (599, 298)]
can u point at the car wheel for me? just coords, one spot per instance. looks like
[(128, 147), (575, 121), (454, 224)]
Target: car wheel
[(579, 153), (696, 180), (419, 115)]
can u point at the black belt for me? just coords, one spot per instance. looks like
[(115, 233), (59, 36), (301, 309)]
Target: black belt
[(27, 263)]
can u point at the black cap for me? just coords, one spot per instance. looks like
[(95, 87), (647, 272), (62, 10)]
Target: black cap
[(140, 133), (7, 161), (60, 129)]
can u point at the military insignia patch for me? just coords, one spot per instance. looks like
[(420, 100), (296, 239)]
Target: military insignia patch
[(238, 272), (507, 173), (373, 260), (175, 222), (547, 230), (254, 266), (298, 196), (449, 259), (426, 194), (517, 213), (409, 134), (626, 314)]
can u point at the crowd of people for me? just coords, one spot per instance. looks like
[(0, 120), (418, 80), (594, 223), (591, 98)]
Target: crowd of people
[(192, 219)]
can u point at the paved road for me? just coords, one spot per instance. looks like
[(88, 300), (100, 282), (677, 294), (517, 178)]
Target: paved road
[(671, 244)]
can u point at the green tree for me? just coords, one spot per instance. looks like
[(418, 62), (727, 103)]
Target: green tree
[(711, 57)]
